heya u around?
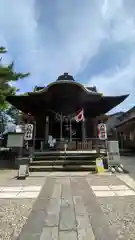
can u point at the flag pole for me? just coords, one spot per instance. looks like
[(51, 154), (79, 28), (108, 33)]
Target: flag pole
[(83, 129)]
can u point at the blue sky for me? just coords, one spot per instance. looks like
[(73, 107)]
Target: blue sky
[(92, 40)]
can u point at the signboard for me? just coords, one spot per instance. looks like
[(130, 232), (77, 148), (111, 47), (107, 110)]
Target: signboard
[(28, 135), (113, 153), (15, 140), (22, 171), (102, 133), (99, 165)]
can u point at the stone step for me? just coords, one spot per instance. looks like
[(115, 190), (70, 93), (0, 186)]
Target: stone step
[(72, 157), (90, 168), (61, 162), (68, 153)]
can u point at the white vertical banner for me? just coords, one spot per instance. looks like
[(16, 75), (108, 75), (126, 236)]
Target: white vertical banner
[(28, 135), (102, 132)]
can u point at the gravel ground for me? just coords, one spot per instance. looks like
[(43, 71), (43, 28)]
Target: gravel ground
[(13, 215), (14, 212), (120, 212)]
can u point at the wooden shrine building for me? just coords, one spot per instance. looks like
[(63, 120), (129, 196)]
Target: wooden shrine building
[(65, 110)]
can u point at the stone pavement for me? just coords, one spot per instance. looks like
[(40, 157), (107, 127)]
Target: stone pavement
[(129, 164), (74, 207)]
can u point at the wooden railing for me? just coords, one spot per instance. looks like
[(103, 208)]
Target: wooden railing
[(75, 144)]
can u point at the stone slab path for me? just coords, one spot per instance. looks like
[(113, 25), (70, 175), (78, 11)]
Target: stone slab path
[(68, 208), (19, 192)]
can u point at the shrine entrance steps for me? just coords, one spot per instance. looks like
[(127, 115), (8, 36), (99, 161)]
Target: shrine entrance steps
[(61, 161)]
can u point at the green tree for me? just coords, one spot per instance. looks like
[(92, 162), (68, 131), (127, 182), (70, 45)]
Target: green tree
[(7, 75), (12, 113)]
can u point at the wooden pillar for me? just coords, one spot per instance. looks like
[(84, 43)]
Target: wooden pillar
[(46, 129), (96, 141), (70, 129), (61, 127), (121, 140), (34, 134), (95, 122), (116, 135), (83, 131)]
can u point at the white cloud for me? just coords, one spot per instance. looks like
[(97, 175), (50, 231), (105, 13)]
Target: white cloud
[(121, 28), (120, 83), (18, 32), (48, 50), (48, 38)]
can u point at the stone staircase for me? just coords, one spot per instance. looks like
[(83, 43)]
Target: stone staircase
[(59, 161)]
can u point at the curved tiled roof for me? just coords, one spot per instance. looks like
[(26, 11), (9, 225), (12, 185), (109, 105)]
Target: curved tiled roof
[(57, 83), (66, 93)]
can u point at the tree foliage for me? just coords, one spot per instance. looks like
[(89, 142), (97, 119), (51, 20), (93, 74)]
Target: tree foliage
[(6, 115), (7, 76)]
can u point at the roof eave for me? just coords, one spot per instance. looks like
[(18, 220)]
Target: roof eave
[(45, 89)]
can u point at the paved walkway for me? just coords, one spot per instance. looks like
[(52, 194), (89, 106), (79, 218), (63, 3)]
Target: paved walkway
[(129, 164), (68, 208), (76, 205)]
